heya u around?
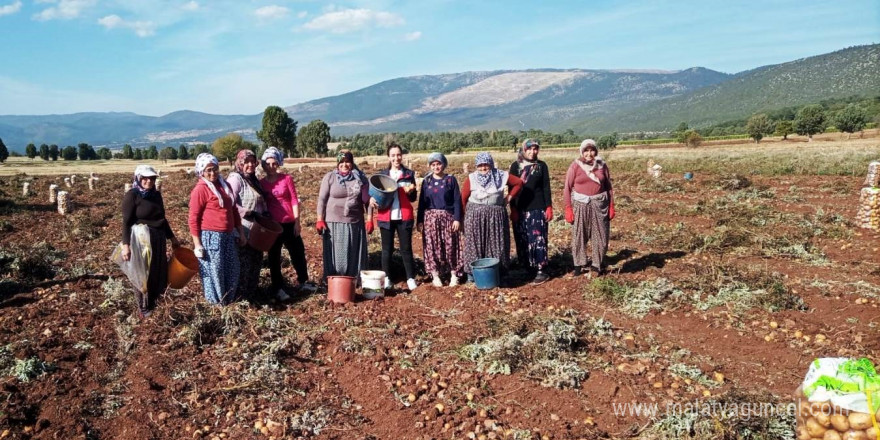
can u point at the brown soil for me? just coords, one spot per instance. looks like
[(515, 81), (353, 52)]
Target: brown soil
[(352, 368)]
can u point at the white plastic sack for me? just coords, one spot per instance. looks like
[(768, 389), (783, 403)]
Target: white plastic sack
[(830, 367), (137, 268)]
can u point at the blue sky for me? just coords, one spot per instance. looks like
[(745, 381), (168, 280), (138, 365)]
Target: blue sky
[(236, 57)]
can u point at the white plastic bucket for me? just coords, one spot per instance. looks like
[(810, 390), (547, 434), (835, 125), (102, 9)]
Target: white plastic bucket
[(373, 283)]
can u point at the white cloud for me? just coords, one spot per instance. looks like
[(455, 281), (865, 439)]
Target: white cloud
[(271, 12), (65, 10), (140, 28), (413, 36), (302, 14), (191, 6), (10, 9), (351, 20)]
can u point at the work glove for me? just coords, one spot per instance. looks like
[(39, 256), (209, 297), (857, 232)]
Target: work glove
[(569, 214), (548, 213)]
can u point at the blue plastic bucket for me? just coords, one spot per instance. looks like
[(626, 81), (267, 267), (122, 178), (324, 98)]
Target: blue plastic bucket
[(688, 176), (383, 188), (486, 274)]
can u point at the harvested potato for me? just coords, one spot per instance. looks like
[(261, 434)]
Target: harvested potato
[(871, 433), (859, 421), (824, 419), (855, 435), (831, 435), (814, 428), (840, 422), (803, 434)]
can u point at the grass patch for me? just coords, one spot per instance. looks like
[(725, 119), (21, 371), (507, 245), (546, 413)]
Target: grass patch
[(635, 301)]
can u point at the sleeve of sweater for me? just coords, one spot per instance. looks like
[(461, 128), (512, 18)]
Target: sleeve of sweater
[(514, 185), (236, 184), (569, 182), (294, 198), (128, 216), (169, 234), (420, 210), (197, 202), (608, 177), (457, 211), (324, 195), (546, 187)]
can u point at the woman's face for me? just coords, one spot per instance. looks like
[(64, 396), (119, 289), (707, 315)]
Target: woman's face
[(211, 173), (271, 166), (147, 182), (589, 154), (250, 164), (483, 168), (395, 156), (344, 166), (531, 153), (437, 167)]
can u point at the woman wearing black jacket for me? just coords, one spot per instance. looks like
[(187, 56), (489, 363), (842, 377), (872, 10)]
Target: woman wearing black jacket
[(532, 210)]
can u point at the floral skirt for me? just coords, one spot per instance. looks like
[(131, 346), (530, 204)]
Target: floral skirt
[(443, 250), (486, 234), (219, 269), (530, 235)]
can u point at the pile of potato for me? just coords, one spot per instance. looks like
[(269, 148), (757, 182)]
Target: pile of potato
[(873, 178), (824, 421), (868, 216), (63, 202), (26, 189), (53, 193)]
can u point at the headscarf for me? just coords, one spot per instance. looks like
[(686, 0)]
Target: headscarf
[(272, 153), (202, 162), (494, 175), (144, 171), (437, 157), (355, 173), (526, 167), (250, 179), (598, 162)]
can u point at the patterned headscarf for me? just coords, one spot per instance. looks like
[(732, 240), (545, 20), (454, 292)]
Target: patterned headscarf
[(586, 144), (202, 162), (355, 173), (144, 171), (272, 153), (250, 179), (494, 175), (526, 167), (437, 157)]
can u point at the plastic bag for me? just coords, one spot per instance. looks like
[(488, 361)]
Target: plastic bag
[(840, 395), (873, 177), (137, 268), (868, 215)]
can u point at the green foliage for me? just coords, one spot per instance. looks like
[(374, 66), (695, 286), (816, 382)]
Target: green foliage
[(182, 152), (758, 126), (4, 153), (168, 153), (784, 128), (810, 120), (608, 142), (69, 153), (313, 138), (197, 150), (691, 138), (851, 119), (86, 152), (54, 152), (127, 153), (30, 151), (138, 154), (104, 153), (44, 152), (226, 147), (279, 130), (151, 152), (635, 301)]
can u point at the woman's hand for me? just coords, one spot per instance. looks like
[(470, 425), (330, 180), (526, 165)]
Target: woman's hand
[(420, 227), (456, 226), (126, 252), (297, 228), (374, 205)]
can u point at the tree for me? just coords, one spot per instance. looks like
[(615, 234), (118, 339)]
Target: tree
[(851, 119), (126, 152), (86, 152), (30, 151), (608, 142), (279, 130), (54, 152), (168, 153), (44, 152), (104, 153), (68, 153), (809, 121), (691, 138), (138, 154), (182, 152), (4, 153), (312, 139), (784, 128), (226, 147), (151, 152), (759, 125), (197, 150)]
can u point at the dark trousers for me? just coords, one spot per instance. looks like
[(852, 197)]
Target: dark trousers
[(297, 251), (404, 235)]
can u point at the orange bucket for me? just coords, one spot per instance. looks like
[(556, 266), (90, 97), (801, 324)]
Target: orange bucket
[(340, 289), (182, 267), (264, 231)]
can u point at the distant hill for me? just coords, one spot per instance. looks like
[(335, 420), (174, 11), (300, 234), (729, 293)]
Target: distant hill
[(588, 101)]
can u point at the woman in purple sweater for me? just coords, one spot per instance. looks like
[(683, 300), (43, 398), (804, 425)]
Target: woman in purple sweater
[(439, 221)]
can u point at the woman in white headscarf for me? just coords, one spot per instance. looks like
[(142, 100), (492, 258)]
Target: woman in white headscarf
[(143, 205), (589, 206), (215, 226)]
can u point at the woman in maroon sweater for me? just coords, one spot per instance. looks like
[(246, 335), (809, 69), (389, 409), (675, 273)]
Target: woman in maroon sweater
[(216, 228), (589, 206), (143, 205)]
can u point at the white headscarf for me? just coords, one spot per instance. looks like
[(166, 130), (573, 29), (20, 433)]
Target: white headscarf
[(272, 153), (202, 162)]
